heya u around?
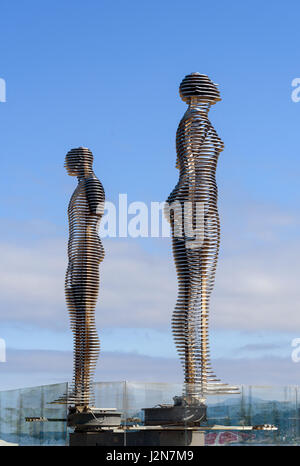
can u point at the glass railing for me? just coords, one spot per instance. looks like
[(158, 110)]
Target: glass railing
[(28, 416), (20, 409)]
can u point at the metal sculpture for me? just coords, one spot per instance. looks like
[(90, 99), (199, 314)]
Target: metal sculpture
[(85, 252), (193, 215)]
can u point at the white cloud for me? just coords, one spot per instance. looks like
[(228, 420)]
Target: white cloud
[(257, 282), (31, 283), (29, 368), (136, 289), (258, 290)]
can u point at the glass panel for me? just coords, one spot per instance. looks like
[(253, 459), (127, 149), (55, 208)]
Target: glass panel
[(230, 418), (17, 405)]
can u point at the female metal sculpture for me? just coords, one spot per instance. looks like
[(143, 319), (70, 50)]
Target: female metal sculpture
[(195, 228), (85, 252)]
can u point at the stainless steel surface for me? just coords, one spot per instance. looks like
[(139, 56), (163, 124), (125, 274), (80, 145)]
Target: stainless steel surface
[(93, 419), (85, 252), (192, 208), (175, 415)]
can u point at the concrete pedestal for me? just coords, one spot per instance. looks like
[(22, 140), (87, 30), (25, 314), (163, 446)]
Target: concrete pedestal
[(165, 425), (155, 438)]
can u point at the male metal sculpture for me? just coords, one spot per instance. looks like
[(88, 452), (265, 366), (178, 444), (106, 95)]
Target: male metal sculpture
[(196, 246), (85, 252)]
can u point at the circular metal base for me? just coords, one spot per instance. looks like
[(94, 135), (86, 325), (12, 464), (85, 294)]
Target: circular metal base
[(93, 419), (175, 415)]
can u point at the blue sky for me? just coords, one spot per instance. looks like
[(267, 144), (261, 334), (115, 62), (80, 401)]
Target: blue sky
[(105, 75)]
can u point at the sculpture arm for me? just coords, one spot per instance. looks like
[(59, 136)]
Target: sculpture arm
[(95, 196)]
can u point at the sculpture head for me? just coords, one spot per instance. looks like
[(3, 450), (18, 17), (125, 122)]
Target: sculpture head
[(79, 162), (200, 86)]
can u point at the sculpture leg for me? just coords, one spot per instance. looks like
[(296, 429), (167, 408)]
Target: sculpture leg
[(202, 265), (180, 314), (75, 297), (197, 321), (91, 347)]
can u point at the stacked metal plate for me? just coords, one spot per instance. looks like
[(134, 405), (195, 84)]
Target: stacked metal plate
[(85, 252), (192, 211)]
